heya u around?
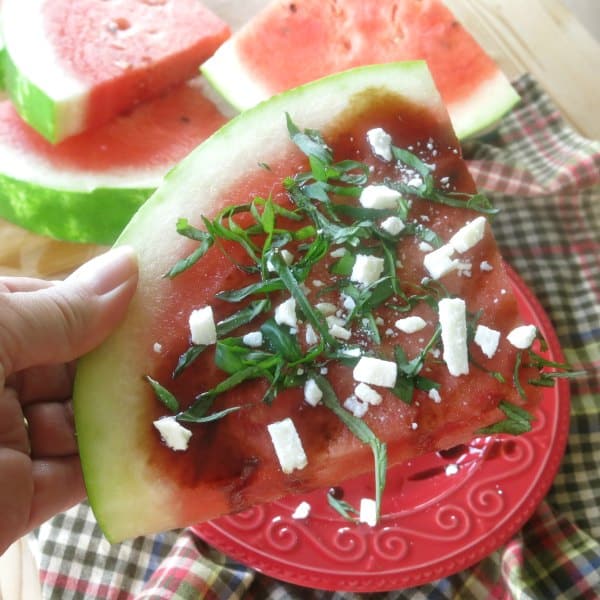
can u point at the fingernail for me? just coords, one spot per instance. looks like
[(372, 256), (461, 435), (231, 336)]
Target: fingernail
[(107, 271)]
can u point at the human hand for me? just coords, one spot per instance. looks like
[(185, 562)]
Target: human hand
[(44, 327)]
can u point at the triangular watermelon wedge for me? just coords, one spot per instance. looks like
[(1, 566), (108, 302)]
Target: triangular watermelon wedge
[(86, 188), (289, 43), (356, 339), (72, 66)]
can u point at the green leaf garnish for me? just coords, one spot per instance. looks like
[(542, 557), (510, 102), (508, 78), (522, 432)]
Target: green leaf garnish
[(163, 394), (362, 431), (343, 508), (517, 421)]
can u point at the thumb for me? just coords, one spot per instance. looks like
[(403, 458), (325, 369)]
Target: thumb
[(61, 322)]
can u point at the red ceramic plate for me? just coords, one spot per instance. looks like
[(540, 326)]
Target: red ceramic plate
[(442, 512)]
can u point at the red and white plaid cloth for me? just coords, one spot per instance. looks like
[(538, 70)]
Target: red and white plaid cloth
[(546, 180)]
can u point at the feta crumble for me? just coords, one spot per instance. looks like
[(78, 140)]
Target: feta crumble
[(357, 407), (440, 262), (411, 324), (375, 371), (393, 225), (522, 337), (254, 339), (368, 512), (367, 394), (310, 336), (367, 269), (380, 142), (202, 326), (285, 313), (173, 434), (435, 395), (469, 235), (453, 322), (287, 444), (487, 339), (379, 197), (312, 392), (484, 265), (339, 332)]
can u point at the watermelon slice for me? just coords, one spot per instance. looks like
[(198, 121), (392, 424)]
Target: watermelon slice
[(72, 65), (174, 429), (86, 188), (290, 43)]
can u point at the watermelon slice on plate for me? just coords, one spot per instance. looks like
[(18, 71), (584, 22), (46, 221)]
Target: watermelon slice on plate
[(290, 43), (72, 65), (86, 188), (328, 265)]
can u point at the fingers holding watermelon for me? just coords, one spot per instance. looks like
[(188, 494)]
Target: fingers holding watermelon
[(44, 328)]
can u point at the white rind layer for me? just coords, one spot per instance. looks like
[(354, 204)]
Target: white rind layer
[(35, 58)]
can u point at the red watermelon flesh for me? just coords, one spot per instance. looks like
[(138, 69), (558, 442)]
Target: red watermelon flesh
[(359, 32), (230, 463), (128, 52), (291, 43), (100, 59)]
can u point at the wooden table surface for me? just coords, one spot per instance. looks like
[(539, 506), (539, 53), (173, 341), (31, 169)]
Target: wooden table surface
[(541, 37)]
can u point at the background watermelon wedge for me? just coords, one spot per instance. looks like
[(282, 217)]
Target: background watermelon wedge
[(86, 188), (290, 43), (72, 65)]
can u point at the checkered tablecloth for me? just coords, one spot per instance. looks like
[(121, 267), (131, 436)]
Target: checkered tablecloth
[(546, 180)]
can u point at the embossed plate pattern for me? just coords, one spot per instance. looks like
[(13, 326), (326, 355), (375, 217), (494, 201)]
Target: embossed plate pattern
[(442, 513)]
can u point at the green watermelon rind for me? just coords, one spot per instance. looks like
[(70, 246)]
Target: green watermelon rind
[(130, 497), (492, 100), (97, 216), (35, 107)]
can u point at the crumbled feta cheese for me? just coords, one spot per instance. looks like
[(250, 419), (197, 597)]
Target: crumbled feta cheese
[(414, 426), (157, 347), (368, 512), (367, 269), (339, 332), (334, 320), (376, 371), (453, 322), (468, 235), (367, 394), (393, 225), (202, 326), (287, 256), (464, 268), (379, 197), (425, 247), (484, 265), (348, 302), (173, 434), (287, 444), (411, 324), (310, 336), (435, 395), (522, 337), (254, 339), (380, 142), (285, 313), (312, 392), (326, 308), (338, 253), (318, 283), (357, 407), (351, 351), (440, 261), (302, 510), (487, 339)]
